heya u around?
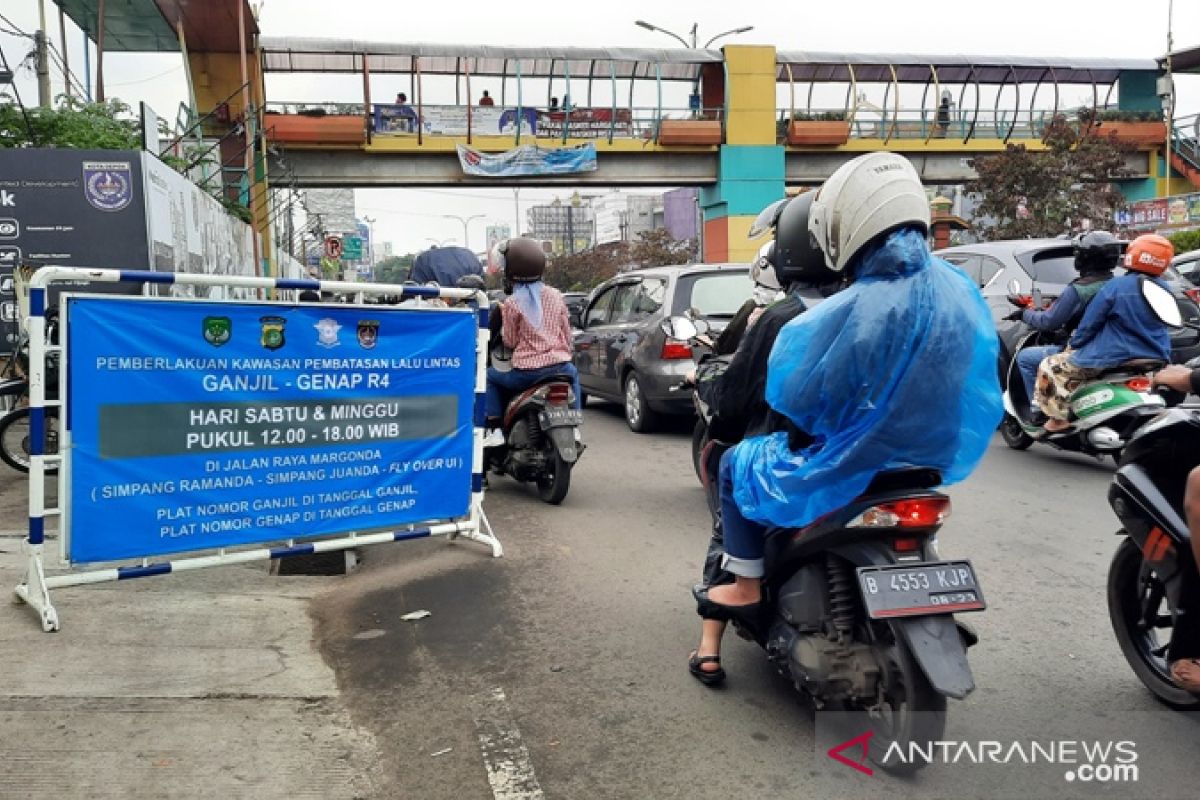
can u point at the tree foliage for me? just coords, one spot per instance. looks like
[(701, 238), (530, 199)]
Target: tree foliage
[(1028, 193), (72, 123), (1185, 241), (394, 269), (578, 272), (657, 248)]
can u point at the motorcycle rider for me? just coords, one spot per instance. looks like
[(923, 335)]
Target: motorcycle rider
[(879, 376), (1186, 671), (1096, 255), (767, 290), (1118, 326), (737, 393), (535, 326)]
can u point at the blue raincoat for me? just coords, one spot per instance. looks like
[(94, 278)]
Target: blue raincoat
[(898, 370)]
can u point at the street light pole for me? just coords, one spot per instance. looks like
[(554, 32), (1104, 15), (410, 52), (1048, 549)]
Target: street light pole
[(465, 221), (641, 23)]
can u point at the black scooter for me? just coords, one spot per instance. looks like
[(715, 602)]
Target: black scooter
[(1153, 586), (859, 609)]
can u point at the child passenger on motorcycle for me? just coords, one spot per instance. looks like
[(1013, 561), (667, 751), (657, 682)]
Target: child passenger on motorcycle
[(1096, 254), (1117, 327), (897, 370)]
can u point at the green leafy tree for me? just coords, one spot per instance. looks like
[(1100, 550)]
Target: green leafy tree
[(73, 123), (579, 272), (394, 269), (1028, 193), (658, 248), (1185, 241)]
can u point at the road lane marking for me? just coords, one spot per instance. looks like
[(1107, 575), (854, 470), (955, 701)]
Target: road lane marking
[(509, 770)]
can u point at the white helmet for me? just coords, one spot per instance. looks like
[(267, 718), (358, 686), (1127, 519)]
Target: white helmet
[(762, 271), (865, 197)]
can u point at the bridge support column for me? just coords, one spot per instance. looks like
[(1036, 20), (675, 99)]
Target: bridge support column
[(751, 165)]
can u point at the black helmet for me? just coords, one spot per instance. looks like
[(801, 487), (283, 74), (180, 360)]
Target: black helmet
[(522, 260), (1096, 251), (797, 257), (475, 282)]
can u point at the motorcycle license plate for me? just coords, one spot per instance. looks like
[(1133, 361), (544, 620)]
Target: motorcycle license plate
[(942, 587), (560, 417)]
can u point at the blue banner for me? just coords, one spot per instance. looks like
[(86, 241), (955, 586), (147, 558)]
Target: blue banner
[(528, 160), (203, 425)]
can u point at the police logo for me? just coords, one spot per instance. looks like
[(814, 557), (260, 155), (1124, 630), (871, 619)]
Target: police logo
[(217, 330), (327, 332), (368, 333), (272, 332), (108, 185)]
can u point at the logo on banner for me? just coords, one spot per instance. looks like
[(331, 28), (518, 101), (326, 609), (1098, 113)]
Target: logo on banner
[(108, 185), (327, 332), (217, 330), (272, 332), (9, 228), (368, 333)]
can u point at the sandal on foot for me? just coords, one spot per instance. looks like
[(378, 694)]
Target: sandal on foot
[(1186, 674), (706, 676)]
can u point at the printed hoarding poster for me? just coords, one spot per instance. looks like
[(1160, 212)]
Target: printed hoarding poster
[(586, 123), (528, 160), (271, 422), (455, 121), (1177, 211)]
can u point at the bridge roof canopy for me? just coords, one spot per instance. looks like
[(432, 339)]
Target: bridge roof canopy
[(148, 26), (291, 54), (912, 68), (1187, 60)]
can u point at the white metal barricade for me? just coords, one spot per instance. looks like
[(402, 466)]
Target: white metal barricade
[(35, 588)]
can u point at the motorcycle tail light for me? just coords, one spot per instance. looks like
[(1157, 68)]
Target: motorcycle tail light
[(673, 350), (909, 544), (1139, 384), (922, 512), (558, 395)]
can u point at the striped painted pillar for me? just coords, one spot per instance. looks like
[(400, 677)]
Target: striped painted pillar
[(750, 167)]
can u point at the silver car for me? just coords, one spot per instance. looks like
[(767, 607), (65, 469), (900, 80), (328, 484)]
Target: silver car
[(621, 350)]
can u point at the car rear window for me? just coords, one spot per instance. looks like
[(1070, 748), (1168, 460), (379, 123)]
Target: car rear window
[(713, 294), (1053, 265)]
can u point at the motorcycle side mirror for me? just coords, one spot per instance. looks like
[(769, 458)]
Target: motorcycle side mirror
[(680, 328), (1014, 287), (702, 326), (1162, 303)]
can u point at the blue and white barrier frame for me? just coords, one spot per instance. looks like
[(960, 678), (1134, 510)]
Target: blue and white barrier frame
[(35, 588)]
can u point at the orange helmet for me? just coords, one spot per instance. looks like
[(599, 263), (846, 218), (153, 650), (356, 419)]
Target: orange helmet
[(1150, 254)]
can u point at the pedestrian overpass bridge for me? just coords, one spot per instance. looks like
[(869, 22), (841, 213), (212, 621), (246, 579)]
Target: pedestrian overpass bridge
[(743, 122)]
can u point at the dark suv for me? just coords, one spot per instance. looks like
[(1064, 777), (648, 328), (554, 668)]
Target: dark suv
[(621, 350)]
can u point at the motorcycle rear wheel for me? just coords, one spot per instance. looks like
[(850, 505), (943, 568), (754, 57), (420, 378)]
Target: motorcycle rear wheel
[(913, 711), (552, 485), (1014, 435), (15, 436), (1127, 590)]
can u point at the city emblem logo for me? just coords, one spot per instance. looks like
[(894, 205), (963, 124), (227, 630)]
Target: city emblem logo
[(368, 333), (327, 332), (217, 330), (108, 185), (272, 332)]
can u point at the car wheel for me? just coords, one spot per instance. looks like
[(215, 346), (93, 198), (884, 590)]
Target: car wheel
[(637, 411)]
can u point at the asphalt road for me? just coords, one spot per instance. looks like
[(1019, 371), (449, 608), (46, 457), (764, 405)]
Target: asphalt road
[(560, 668)]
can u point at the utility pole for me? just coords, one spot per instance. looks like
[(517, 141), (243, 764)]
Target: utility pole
[(41, 43)]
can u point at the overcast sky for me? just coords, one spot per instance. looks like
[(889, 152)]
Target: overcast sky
[(409, 218)]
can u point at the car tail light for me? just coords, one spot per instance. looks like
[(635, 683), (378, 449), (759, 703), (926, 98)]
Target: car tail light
[(558, 394), (919, 512), (673, 350), (1139, 384), (1193, 293)]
